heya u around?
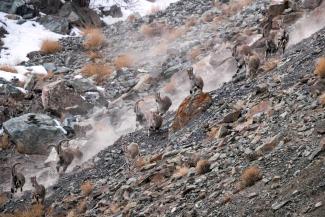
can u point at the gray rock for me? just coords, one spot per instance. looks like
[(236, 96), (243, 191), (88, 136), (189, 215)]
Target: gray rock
[(50, 67), (32, 133), (311, 4), (30, 82), (10, 91), (55, 24)]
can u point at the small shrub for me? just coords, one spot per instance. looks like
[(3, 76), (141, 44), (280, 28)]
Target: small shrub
[(3, 199), (100, 72), (36, 210), (8, 68), (322, 99), (153, 29), (93, 55), (157, 178), (175, 33), (181, 172), (194, 54), (124, 60), (87, 187), (192, 21), (320, 67), (249, 176), (50, 47), (202, 166), (94, 38)]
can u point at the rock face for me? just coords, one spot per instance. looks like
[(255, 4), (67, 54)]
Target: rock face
[(311, 4), (55, 24), (32, 133), (191, 107), (74, 97)]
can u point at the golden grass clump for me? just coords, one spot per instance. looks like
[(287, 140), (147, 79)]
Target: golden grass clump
[(181, 172), (194, 53), (36, 210), (249, 176), (87, 187), (124, 60), (94, 38), (322, 99), (8, 68), (100, 72), (202, 167), (320, 68), (153, 29), (270, 65), (50, 46)]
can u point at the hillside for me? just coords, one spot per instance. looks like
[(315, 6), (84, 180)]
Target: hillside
[(251, 144)]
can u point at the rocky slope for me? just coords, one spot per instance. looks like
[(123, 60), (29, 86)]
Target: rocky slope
[(272, 123)]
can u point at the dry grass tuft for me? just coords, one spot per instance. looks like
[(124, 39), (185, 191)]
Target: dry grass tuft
[(46, 77), (320, 68), (153, 29), (99, 71), (157, 178), (93, 55), (94, 38), (192, 21), (181, 172), (3, 199), (5, 142), (249, 176), (175, 33), (194, 53), (87, 187), (124, 60), (36, 210), (140, 162), (322, 99), (202, 166), (234, 6), (270, 65), (8, 68), (50, 47)]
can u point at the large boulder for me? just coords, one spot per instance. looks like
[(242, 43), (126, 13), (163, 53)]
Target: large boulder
[(190, 108), (24, 8), (277, 7), (71, 97), (55, 24), (80, 16), (311, 4), (32, 133)]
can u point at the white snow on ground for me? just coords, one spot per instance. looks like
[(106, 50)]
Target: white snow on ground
[(22, 39), (22, 72), (143, 7)]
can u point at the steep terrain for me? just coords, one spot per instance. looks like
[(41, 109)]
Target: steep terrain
[(260, 139)]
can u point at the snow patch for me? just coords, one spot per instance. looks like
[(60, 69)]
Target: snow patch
[(143, 7), (22, 39), (22, 72)]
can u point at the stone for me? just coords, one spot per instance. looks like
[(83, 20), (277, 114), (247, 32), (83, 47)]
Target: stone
[(190, 108), (79, 97), (55, 24), (231, 117), (270, 145), (32, 133), (277, 7), (223, 131), (320, 127), (278, 205), (311, 4), (10, 91), (30, 82)]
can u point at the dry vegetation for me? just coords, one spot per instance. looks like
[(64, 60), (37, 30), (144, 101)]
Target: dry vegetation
[(322, 99), (3, 199), (87, 187), (181, 172), (50, 46), (36, 210), (175, 33), (46, 77), (4, 142), (194, 53), (153, 29), (233, 7), (124, 60), (93, 55), (8, 68), (100, 72), (202, 166), (94, 38), (192, 21), (270, 65), (320, 67), (249, 176)]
